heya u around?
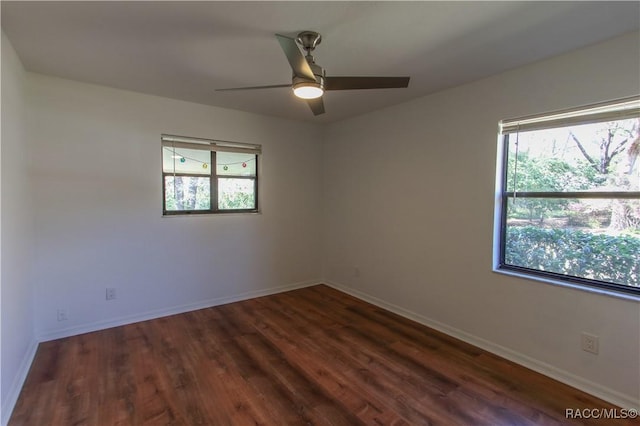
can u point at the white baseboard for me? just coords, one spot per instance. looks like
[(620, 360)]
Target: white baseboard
[(172, 310), (9, 400), (595, 389)]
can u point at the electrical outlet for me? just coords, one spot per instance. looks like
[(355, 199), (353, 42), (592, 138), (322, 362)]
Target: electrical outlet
[(356, 271), (590, 343), (62, 315), (111, 293)]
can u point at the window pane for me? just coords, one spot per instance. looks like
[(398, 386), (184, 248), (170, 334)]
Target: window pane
[(182, 160), (589, 157), (187, 193), (235, 164), (577, 238), (236, 194)]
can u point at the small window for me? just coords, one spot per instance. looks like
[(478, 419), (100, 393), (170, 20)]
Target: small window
[(569, 191), (208, 176)]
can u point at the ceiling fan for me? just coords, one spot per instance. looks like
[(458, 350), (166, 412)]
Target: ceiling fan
[(309, 81)]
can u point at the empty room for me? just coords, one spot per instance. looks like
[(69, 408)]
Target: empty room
[(327, 213)]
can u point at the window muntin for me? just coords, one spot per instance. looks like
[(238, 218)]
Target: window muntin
[(192, 185), (570, 197)]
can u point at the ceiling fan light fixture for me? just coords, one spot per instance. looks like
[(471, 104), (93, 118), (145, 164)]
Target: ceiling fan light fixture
[(308, 90)]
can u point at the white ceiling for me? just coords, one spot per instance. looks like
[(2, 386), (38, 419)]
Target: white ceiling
[(185, 50)]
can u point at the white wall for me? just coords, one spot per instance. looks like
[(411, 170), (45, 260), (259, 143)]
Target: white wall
[(409, 199), (17, 340), (98, 201)]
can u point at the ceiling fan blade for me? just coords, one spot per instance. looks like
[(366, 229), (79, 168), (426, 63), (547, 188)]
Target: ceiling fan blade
[(352, 83), (298, 63), (316, 105), (273, 86)]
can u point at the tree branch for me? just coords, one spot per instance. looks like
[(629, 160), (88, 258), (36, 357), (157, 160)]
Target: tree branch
[(584, 152), (617, 150), (632, 154)]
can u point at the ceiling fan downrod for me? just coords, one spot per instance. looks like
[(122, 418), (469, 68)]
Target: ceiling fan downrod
[(309, 40)]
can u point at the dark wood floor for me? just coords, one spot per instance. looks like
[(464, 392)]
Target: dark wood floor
[(311, 356)]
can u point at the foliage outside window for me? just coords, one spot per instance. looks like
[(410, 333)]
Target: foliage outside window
[(208, 176), (570, 196)]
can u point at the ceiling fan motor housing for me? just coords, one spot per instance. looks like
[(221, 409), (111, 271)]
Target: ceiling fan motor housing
[(318, 72), (301, 81)]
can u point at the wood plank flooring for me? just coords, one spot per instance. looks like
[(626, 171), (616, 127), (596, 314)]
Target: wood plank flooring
[(313, 356)]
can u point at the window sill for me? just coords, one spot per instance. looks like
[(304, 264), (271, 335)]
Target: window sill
[(208, 214), (600, 291)]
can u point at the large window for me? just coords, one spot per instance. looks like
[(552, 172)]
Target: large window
[(569, 190), (208, 176)]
